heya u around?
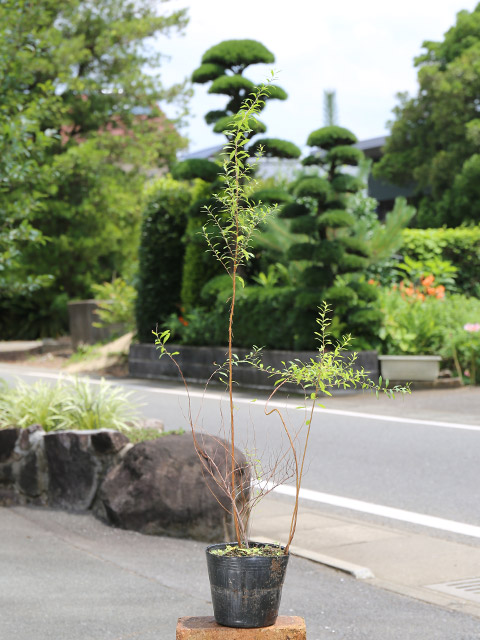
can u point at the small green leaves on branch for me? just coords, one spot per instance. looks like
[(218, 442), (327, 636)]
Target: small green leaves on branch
[(332, 368), (230, 228)]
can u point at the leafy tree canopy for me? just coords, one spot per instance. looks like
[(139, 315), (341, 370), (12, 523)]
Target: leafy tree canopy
[(207, 72), (196, 168), (236, 55), (332, 136), (79, 124), (231, 84), (275, 148), (225, 124), (436, 132)]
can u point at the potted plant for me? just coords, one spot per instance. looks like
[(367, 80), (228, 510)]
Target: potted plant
[(246, 576)]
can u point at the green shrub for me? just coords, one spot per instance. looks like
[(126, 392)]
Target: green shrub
[(226, 123), (69, 404), (432, 326), (265, 316), (161, 255), (293, 210), (230, 53), (228, 84), (461, 246), (271, 196), (212, 116), (313, 186), (198, 266), (345, 155), (41, 313), (329, 137), (275, 148), (206, 72), (116, 304), (196, 168), (335, 218)]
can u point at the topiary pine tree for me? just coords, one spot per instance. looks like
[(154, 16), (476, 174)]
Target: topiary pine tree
[(335, 258), (223, 65)]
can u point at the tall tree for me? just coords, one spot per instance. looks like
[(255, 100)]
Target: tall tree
[(333, 256), (224, 65), (80, 104), (435, 135)]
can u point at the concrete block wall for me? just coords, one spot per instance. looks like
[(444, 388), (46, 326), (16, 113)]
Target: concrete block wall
[(197, 365)]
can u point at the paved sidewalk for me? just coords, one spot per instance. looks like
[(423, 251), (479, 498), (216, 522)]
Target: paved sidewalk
[(453, 405), (390, 557), (69, 577), (406, 562)]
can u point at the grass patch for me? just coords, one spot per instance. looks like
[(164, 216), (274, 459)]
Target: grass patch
[(71, 403), (136, 435)]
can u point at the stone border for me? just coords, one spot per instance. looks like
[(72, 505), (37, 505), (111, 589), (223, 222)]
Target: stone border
[(62, 469), (155, 487), (197, 364)]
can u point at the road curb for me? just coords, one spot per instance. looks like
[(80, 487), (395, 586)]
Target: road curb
[(357, 571)]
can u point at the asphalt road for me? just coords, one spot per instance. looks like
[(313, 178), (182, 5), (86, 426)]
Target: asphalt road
[(68, 576), (392, 458)]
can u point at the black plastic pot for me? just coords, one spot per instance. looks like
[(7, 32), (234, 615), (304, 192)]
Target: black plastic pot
[(246, 591)]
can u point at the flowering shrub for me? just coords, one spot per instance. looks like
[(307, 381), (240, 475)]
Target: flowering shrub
[(426, 288), (432, 324)]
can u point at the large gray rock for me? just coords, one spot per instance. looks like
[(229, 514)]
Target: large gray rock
[(72, 470), (159, 488), (8, 438), (77, 461)]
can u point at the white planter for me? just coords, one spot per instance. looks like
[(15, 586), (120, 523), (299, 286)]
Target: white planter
[(409, 368)]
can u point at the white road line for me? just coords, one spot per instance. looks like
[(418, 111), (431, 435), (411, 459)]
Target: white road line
[(324, 498), (386, 512), (277, 403)]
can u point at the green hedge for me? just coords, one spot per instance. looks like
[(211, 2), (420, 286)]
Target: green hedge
[(161, 255), (279, 318), (273, 321), (460, 245)]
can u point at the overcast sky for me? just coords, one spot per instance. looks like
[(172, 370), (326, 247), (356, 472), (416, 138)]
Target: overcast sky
[(362, 49)]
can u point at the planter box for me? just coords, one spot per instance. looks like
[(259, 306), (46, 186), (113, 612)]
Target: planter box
[(410, 368), (197, 364)]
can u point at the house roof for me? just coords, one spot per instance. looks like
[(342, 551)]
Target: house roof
[(372, 148), (208, 153)]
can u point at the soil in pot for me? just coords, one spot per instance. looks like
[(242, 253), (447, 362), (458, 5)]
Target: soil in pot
[(246, 589)]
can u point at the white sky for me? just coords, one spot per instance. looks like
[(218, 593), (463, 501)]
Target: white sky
[(363, 49)]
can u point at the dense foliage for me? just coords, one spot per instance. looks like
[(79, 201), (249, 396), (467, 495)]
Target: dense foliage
[(161, 255), (79, 127), (333, 255), (435, 134), (460, 246), (223, 66), (440, 325)]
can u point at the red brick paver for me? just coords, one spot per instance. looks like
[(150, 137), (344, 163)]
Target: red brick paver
[(205, 628)]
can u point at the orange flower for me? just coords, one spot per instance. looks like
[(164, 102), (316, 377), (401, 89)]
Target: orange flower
[(183, 321), (428, 280), (420, 296), (440, 291), (372, 281)]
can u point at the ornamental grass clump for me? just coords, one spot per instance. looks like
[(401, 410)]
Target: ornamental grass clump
[(228, 234), (72, 403)]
